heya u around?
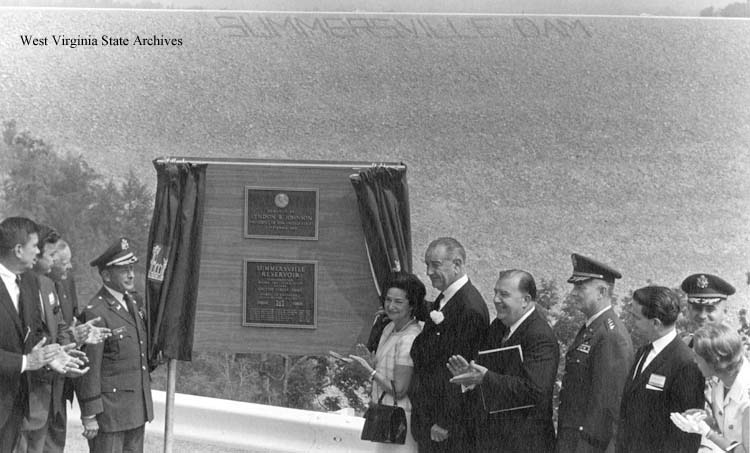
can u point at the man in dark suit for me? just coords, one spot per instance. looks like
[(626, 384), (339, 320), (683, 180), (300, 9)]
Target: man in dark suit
[(68, 302), (21, 349), (64, 281), (663, 379), (596, 364), (44, 426), (514, 398), (115, 396), (457, 324)]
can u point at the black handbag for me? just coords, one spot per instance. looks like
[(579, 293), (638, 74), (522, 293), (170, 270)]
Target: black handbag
[(384, 423)]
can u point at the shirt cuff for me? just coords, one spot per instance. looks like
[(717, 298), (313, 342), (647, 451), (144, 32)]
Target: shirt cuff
[(23, 363)]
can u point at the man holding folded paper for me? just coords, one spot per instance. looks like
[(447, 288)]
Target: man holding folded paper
[(512, 379)]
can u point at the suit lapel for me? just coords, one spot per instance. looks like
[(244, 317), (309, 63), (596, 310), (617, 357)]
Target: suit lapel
[(49, 301), (520, 332), (657, 362), (6, 303), (630, 384)]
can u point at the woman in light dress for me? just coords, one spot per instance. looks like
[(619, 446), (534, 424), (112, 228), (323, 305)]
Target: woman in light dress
[(392, 361), (720, 357)]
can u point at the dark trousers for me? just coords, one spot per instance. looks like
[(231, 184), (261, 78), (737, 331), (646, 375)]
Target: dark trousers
[(50, 438), (130, 441), (447, 446), (569, 440), (10, 430)]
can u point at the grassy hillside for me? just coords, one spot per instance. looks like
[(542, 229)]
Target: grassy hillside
[(526, 137)]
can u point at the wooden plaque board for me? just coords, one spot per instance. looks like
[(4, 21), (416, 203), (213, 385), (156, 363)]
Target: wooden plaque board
[(337, 289)]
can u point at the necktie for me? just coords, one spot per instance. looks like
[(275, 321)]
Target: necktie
[(20, 300), (131, 306), (579, 335), (642, 362), (438, 300), (505, 337)]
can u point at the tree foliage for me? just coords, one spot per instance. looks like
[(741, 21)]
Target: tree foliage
[(65, 192), (737, 9)]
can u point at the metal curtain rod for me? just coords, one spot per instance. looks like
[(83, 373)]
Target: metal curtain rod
[(175, 160)]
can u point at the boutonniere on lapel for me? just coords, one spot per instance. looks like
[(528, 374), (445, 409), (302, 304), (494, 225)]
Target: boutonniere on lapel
[(437, 317)]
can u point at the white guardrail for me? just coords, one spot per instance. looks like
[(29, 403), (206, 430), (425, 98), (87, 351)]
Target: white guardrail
[(257, 427)]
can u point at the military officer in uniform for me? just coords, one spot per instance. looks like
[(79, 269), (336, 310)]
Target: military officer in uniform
[(115, 396), (706, 303), (706, 296), (596, 365)]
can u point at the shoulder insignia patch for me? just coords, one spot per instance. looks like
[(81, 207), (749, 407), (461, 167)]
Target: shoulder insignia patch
[(610, 324)]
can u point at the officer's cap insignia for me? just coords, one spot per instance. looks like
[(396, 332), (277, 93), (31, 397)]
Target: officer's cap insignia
[(702, 282), (124, 244)]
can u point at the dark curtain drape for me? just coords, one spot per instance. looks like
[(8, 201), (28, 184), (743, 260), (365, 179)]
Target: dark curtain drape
[(383, 200), (174, 249)]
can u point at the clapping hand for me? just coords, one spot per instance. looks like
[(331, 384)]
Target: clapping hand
[(68, 361), (89, 333), (465, 373), (364, 359), (41, 355), (458, 365), (691, 422)]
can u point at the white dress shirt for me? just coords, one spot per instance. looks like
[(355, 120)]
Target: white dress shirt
[(659, 345), (451, 290), (9, 278)]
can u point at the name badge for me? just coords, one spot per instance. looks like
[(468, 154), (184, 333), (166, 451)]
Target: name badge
[(584, 348), (656, 382), (119, 332)]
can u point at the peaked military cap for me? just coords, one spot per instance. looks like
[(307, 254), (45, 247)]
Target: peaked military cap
[(118, 254), (706, 289), (585, 268)]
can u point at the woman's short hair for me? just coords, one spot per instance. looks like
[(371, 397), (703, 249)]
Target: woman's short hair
[(720, 346), (411, 285)]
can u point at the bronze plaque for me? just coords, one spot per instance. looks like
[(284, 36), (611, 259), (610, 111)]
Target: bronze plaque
[(281, 213), (280, 294)]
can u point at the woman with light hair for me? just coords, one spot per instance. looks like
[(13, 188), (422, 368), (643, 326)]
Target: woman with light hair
[(719, 355)]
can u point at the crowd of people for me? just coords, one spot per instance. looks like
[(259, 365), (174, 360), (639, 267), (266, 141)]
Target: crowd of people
[(467, 383), (681, 392), (48, 350)]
